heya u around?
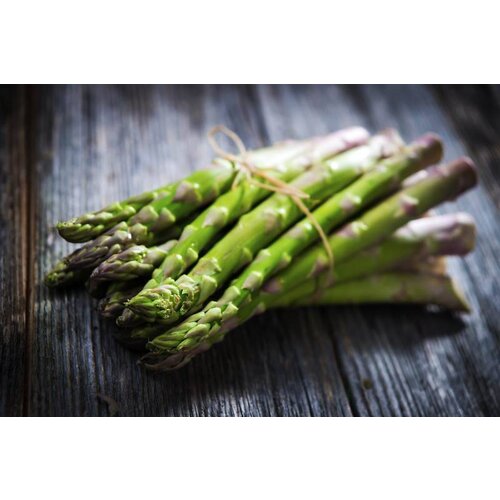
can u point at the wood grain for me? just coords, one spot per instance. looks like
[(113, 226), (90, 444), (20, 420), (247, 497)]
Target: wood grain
[(68, 149), (14, 274)]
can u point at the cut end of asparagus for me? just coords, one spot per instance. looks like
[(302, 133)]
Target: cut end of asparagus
[(449, 234), (462, 169), (432, 146), (467, 168)]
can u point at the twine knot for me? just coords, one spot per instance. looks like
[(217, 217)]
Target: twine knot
[(250, 171)]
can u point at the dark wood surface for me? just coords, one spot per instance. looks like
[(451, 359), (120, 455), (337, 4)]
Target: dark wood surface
[(66, 150)]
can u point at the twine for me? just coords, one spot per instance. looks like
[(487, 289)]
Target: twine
[(250, 171)]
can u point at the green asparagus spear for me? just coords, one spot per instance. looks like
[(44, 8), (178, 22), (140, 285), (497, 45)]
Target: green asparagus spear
[(90, 225), (60, 276), (398, 287), (387, 287), (156, 210), (173, 299), (200, 233), (200, 331)]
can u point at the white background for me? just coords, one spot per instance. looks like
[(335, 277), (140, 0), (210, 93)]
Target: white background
[(262, 41), (249, 42), (231, 458)]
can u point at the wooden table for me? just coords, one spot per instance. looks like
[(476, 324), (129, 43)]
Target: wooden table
[(66, 150)]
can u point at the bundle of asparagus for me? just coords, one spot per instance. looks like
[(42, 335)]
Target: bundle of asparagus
[(359, 231)]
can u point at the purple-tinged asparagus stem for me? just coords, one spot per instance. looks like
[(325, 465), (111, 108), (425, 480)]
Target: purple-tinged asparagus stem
[(134, 262), (112, 305), (92, 254)]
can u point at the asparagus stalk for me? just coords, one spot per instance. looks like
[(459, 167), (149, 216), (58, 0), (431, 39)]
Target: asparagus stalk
[(387, 287), (159, 208), (171, 299), (90, 225), (200, 331), (400, 287), (148, 257), (200, 233), (60, 276)]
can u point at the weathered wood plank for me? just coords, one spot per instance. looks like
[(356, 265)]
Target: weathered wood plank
[(14, 195)]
